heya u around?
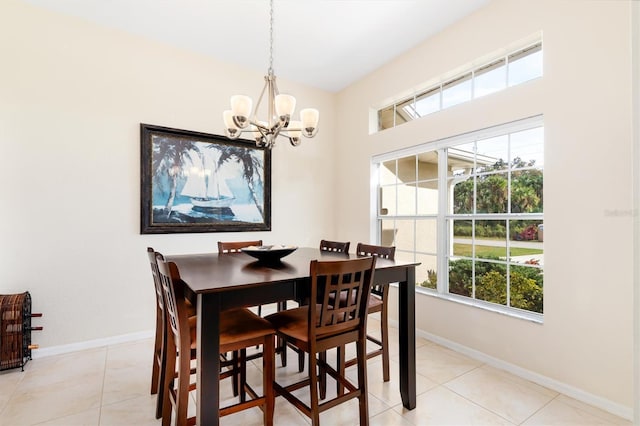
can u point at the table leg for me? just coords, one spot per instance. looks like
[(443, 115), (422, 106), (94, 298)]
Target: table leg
[(407, 337), (208, 363)]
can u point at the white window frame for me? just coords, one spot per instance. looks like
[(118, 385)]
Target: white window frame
[(443, 215), (468, 72)]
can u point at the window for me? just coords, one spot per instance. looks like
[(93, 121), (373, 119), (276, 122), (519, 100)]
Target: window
[(490, 78), (504, 71), (525, 65), (472, 207), (456, 91)]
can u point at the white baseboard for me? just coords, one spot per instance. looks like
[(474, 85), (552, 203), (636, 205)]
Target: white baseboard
[(573, 392), (91, 344), (563, 388)]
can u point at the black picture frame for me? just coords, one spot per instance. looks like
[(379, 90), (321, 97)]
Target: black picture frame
[(198, 182)]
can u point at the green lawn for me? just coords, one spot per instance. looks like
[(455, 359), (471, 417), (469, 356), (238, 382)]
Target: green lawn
[(486, 251)]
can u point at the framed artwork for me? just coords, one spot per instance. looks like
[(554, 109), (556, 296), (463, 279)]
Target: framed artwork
[(197, 182)]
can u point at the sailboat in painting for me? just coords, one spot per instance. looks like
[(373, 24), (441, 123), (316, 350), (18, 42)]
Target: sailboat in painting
[(203, 186)]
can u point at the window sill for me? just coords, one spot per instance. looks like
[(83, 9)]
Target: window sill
[(510, 312)]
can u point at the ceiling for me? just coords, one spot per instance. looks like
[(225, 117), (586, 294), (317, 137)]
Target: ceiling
[(327, 44)]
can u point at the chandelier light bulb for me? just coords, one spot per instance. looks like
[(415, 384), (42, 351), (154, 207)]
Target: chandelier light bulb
[(285, 105), (309, 117), (241, 108), (231, 129)]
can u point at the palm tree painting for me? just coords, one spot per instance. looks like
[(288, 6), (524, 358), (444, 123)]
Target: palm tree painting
[(252, 171), (168, 159), (195, 182)]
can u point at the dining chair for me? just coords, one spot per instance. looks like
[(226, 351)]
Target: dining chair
[(378, 302), (160, 341), (160, 353), (239, 329), (327, 324), (335, 246), (332, 246), (235, 247)]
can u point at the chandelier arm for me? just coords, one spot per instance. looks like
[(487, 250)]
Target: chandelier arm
[(255, 110), (272, 100)]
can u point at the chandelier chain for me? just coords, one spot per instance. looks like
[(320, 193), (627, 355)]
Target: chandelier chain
[(270, 36)]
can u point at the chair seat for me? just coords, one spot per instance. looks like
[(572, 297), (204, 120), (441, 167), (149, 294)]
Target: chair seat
[(241, 325), (292, 322), (236, 326), (375, 303)]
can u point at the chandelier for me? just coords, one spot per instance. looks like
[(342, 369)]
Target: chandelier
[(239, 119)]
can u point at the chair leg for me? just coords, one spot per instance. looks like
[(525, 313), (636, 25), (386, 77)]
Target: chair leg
[(282, 347), (161, 386), (166, 385), (155, 373), (235, 375), (362, 382), (313, 390), (268, 375), (260, 315), (323, 375), (341, 368), (242, 363), (182, 395), (157, 353), (384, 332), (300, 361), (282, 344)]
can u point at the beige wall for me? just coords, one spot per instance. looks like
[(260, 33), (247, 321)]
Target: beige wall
[(72, 97), (586, 341)]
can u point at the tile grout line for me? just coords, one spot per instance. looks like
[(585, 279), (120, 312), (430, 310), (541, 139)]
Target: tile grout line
[(540, 409), (467, 399), (477, 404), (104, 379)]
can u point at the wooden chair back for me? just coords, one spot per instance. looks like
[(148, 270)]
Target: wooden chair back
[(175, 302), (333, 315), (179, 344), (384, 252), (151, 254), (160, 343), (236, 246), (334, 246)]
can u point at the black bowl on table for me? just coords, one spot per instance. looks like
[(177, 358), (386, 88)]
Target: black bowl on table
[(269, 253)]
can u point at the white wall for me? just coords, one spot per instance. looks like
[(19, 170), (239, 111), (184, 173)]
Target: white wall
[(72, 97), (586, 341)]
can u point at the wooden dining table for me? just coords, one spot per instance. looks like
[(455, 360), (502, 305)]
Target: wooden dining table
[(222, 281)]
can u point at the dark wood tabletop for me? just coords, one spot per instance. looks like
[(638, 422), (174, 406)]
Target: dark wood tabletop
[(213, 272)]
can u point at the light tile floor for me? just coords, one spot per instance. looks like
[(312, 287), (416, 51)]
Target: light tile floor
[(110, 386)]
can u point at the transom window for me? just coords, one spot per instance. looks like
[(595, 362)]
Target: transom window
[(515, 68), (470, 210)]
